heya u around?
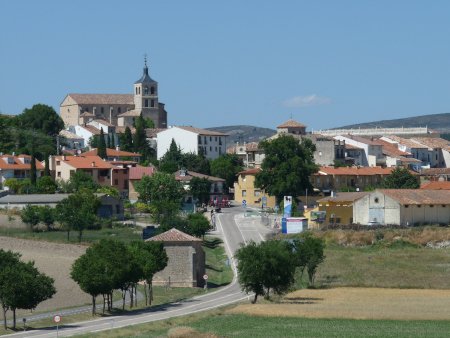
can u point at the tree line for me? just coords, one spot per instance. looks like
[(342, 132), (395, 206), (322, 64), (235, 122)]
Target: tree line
[(270, 267), (110, 265)]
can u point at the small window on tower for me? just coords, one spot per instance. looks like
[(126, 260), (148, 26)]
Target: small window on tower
[(152, 90), (146, 103), (152, 103), (145, 90)]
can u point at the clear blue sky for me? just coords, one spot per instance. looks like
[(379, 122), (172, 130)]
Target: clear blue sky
[(326, 63)]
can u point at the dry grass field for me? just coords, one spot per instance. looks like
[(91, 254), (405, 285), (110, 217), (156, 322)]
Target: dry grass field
[(55, 260), (357, 303)]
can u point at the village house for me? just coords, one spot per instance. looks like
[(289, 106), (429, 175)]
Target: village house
[(186, 264), (197, 141), (338, 208), (250, 153), (18, 167), (245, 190), (373, 152), (408, 207), (329, 179), (135, 176)]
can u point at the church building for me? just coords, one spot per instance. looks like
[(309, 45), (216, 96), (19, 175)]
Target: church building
[(119, 110)]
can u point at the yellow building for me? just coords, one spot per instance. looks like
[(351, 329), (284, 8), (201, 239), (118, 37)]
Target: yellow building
[(339, 208), (244, 189)]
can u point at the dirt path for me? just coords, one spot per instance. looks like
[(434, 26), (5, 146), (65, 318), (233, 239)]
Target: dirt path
[(55, 260), (358, 303)]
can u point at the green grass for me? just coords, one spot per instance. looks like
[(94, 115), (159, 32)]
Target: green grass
[(397, 266), (218, 271), (126, 234), (225, 325)]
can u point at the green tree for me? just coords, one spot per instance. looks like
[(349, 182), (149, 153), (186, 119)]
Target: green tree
[(22, 286), (226, 166), (30, 215), (200, 188), (78, 211), (287, 166), (101, 150), (112, 142), (172, 159), (152, 257), (140, 144), (401, 178), (126, 140), (309, 254), (163, 193), (198, 224), (13, 184), (197, 163), (111, 191), (265, 267), (42, 118), (46, 185), (79, 180)]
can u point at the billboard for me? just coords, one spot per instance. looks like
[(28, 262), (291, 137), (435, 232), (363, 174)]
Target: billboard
[(287, 203), (318, 216), (293, 225)]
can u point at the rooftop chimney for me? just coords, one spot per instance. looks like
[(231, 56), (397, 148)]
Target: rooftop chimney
[(93, 164)]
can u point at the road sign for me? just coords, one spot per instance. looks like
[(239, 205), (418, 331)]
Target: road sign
[(57, 319), (264, 201), (205, 276), (244, 203)]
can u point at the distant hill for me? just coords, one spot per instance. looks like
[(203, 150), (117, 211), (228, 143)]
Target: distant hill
[(440, 122), (244, 133)]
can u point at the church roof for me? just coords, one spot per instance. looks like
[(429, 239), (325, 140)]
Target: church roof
[(103, 98), (202, 131), (291, 124), (133, 112), (145, 77)]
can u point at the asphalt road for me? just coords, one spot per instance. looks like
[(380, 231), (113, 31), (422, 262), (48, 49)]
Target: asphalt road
[(234, 228)]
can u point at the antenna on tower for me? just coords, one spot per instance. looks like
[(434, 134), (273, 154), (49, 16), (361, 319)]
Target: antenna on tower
[(145, 59)]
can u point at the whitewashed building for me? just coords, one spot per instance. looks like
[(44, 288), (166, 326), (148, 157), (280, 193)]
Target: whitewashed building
[(403, 207), (192, 140)]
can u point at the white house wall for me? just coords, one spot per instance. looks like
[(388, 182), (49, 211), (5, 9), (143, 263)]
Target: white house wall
[(186, 140)]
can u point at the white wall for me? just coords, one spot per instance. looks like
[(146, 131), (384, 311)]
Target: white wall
[(186, 140)]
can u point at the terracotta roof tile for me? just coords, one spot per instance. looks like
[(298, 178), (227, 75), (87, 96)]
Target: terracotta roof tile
[(361, 171), (291, 124), (136, 173), (410, 143), (110, 152), (17, 164), (436, 171), (436, 185), (103, 98), (174, 235), (252, 171), (92, 129), (85, 162), (190, 174), (418, 196)]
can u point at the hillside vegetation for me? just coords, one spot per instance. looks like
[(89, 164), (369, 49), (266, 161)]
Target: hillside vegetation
[(243, 133)]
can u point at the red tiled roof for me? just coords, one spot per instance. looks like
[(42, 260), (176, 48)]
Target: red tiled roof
[(17, 164), (391, 149), (92, 129), (85, 162), (103, 98), (174, 235), (110, 152), (190, 174), (360, 171), (291, 124), (418, 196), (436, 185), (350, 146), (252, 171), (410, 143), (136, 173), (436, 171)]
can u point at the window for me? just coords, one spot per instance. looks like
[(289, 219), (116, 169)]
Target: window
[(58, 162), (376, 200), (220, 151), (145, 90), (216, 148), (244, 193), (72, 172), (58, 174), (116, 182), (419, 206), (146, 103), (119, 110), (216, 139), (125, 184), (220, 141), (136, 90), (204, 139), (210, 138), (257, 193), (102, 110), (152, 90), (210, 148), (199, 140), (152, 103)]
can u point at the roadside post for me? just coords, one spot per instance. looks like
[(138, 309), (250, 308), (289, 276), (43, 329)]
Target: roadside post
[(57, 319), (205, 277), (24, 324), (244, 205)]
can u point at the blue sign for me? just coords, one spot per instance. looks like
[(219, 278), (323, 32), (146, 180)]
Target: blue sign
[(244, 203), (264, 201), (287, 206)]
